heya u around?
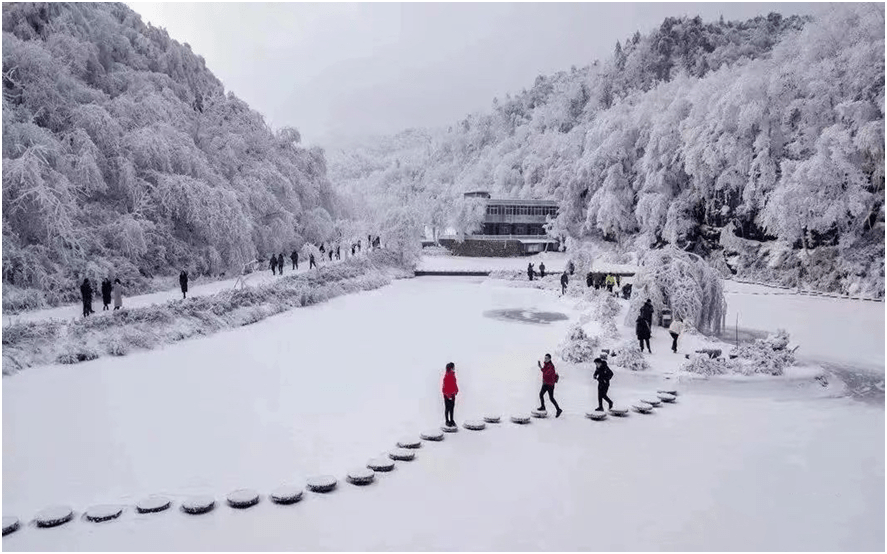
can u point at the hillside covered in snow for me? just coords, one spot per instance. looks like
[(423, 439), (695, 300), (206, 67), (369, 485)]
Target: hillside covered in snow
[(123, 155), (757, 144)]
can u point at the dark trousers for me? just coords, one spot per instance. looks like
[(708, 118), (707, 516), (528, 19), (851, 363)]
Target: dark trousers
[(449, 406), (602, 388), (563, 289), (312, 265), (530, 275), (609, 288), (105, 307), (674, 341), (642, 341), (550, 390), (87, 307), (295, 266), (273, 270)]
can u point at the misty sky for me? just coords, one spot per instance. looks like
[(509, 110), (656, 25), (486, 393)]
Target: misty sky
[(337, 71)]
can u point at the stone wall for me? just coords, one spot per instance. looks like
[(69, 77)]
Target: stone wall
[(484, 248)]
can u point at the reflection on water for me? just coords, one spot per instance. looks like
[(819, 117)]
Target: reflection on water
[(525, 316)]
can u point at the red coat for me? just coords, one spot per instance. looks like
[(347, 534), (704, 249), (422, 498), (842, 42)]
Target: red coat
[(450, 388), (549, 376)]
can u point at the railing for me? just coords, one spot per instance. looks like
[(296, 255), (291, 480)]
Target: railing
[(505, 237)]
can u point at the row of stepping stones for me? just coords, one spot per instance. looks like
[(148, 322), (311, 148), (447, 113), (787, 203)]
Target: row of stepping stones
[(246, 498)]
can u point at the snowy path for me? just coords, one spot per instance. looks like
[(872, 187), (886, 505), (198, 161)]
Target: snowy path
[(74, 311)]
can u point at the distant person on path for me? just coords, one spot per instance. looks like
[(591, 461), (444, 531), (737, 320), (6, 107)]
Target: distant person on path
[(675, 330), (353, 246), (602, 374), (86, 296), (549, 378), (280, 263), (338, 252), (564, 281), (118, 294), (450, 389), (295, 258), (106, 294), (572, 267), (541, 270), (273, 264), (589, 280), (331, 253), (610, 281), (647, 313), (626, 291), (183, 282), (530, 271), (358, 245), (311, 262), (642, 330), (322, 251)]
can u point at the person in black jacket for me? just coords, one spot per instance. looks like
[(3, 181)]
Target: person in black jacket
[(322, 251), (647, 313), (273, 264), (530, 271), (541, 270), (331, 253), (642, 330), (106, 294), (564, 281), (589, 281), (571, 267), (280, 263), (295, 258), (602, 374), (311, 263), (338, 252), (183, 283), (86, 295)]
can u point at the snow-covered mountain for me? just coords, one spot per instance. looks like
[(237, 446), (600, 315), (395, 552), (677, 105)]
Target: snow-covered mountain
[(123, 155), (758, 144)]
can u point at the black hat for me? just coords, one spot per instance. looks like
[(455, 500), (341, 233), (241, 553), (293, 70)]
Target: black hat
[(598, 361)]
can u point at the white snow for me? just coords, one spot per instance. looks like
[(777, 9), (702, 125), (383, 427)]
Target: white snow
[(286, 494), (322, 483), (402, 455), (53, 515), (199, 504), (242, 498), (103, 512), (153, 504), (314, 377)]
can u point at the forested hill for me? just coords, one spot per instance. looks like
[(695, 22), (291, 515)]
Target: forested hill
[(124, 156), (758, 144)]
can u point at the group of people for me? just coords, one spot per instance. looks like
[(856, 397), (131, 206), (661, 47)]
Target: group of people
[(643, 328), (110, 292), (596, 280), (278, 262), (602, 374)]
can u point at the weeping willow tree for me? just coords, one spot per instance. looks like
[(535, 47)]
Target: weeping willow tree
[(683, 283)]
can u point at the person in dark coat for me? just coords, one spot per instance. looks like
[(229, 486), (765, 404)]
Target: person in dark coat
[(322, 251), (106, 294), (549, 378), (338, 252), (564, 281), (626, 291), (311, 262), (183, 283), (602, 374), (541, 270), (273, 264), (589, 280), (647, 313), (353, 246), (450, 389), (86, 296), (358, 245), (295, 258), (530, 271), (642, 330), (280, 263), (572, 267), (331, 253)]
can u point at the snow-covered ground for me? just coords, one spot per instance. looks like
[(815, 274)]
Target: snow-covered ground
[(779, 463)]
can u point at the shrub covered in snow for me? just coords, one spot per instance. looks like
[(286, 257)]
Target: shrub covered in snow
[(629, 356), (769, 355), (683, 282), (703, 365), (604, 306), (578, 347)]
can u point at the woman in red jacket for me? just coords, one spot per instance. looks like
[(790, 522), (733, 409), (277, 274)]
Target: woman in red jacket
[(549, 378), (450, 390)]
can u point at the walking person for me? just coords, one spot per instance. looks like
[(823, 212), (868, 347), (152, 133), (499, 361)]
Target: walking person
[(338, 252), (588, 280), (450, 389), (675, 329), (358, 246), (183, 283), (564, 281), (331, 253), (549, 378), (530, 271), (610, 281), (280, 263), (86, 296), (273, 264), (106, 295), (602, 374), (353, 246), (541, 270), (571, 267), (118, 294), (647, 313), (295, 258), (322, 251), (642, 330), (311, 263)]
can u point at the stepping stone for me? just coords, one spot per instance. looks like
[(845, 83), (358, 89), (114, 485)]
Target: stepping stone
[(449, 429), (520, 419), (433, 435), (53, 516), (153, 504), (539, 414), (409, 443), (666, 397), (10, 525), (669, 391), (381, 464), (642, 408), (361, 476), (242, 498), (102, 513), (619, 412), (199, 505), (655, 402), (286, 495), (322, 483), (596, 416), (475, 425), (492, 419), (402, 455)]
